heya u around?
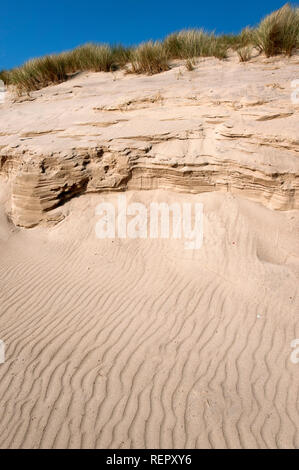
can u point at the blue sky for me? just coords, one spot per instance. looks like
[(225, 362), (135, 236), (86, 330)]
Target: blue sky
[(33, 28)]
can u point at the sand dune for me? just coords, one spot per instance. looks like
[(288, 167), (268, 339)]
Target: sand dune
[(225, 126), (142, 344)]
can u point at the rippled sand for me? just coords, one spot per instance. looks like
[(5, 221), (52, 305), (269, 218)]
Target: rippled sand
[(142, 344)]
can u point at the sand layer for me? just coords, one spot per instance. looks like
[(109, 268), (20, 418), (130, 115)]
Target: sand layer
[(141, 344), (225, 126)]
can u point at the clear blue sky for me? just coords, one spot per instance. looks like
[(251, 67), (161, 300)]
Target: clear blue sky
[(32, 28)]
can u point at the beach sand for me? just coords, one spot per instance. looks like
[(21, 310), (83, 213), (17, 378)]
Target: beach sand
[(142, 344)]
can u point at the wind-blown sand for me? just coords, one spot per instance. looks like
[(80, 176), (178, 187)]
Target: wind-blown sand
[(140, 343)]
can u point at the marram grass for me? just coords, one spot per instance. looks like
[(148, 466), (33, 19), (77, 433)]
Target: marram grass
[(149, 58), (278, 33)]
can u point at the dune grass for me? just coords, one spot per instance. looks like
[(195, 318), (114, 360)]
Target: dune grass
[(194, 43), (190, 64), (41, 72), (38, 73), (150, 58), (93, 57), (277, 33), (244, 53)]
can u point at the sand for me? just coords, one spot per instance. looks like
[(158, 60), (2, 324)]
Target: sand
[(225, 126), (142, 344)]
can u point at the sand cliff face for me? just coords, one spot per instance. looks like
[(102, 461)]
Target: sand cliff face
[(223, 127)]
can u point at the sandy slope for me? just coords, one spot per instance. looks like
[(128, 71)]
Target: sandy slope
[(139, 343)]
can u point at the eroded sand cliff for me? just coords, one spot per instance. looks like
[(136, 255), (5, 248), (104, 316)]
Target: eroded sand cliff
[(224, 126)]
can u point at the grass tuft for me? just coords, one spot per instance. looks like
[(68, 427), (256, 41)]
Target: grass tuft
[(244, 53), (194, 43), (279, 32), (150, 57), (92, 57), (190, 64), (38, 73)]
